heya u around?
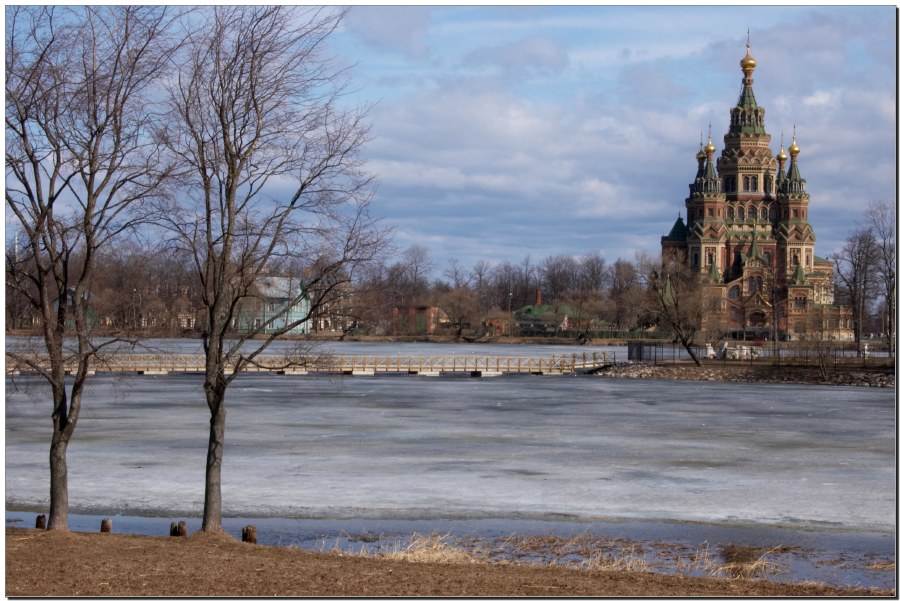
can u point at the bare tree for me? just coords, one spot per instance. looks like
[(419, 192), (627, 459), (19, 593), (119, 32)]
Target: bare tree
[(457, 274), (855, 265), (881, 217), (559, 274), (417, 266), (273, 173), (461, 306), (592, 272), (81, 157), (625, 293), (675, 298)]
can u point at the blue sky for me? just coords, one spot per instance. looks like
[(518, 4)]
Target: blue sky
[(501, 132)]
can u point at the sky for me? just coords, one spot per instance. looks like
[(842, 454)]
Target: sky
[(505, 132)]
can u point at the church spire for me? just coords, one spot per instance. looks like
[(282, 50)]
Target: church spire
[(782, 158), (793, 173), (747, 116), (709, 149), (707, 181), (792, 184)]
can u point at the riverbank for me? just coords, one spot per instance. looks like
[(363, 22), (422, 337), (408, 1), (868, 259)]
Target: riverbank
[(764, 374), (42, 563)]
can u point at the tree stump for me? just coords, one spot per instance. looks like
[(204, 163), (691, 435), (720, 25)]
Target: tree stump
[(248, 534), (106, 525), (41, 522), (179, 529)]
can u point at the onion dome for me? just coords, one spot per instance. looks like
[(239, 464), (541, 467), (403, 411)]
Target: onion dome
[(748, 63), (794, 149), (781, 156), (782, 159)]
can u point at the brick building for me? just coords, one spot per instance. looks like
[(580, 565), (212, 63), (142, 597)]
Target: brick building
[(747, 230)]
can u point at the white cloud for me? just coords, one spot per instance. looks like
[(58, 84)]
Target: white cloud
[(400, 29), (534, 54), (818, 99)]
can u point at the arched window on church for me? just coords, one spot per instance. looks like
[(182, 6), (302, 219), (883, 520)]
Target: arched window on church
[(764, 214), (746, 183), (731, 212), (734, 292), (754, 183), (741, 214), (751, 213)]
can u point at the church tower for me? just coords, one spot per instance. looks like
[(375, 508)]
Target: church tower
[(747, 231)]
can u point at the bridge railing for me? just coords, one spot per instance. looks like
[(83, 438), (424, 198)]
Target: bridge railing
[(328, 363)]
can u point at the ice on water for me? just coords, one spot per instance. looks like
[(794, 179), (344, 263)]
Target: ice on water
[(432, 448)]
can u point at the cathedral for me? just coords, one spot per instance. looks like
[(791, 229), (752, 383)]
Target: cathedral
[(747, 232)]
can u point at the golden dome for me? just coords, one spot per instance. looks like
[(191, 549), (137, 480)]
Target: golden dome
[(709, 149), (748, 63), (794, 149), (782, 156), (701, 155)]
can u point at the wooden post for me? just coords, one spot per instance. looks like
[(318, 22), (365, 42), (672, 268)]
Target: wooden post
[(40, 522), (248, 534), (106, 525), (179, 529)]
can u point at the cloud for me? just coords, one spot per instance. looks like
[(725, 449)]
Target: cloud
[(477, 161), (400, 29), (532, 55)]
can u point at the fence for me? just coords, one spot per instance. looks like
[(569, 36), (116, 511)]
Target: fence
[(784, 354), (340, 364)]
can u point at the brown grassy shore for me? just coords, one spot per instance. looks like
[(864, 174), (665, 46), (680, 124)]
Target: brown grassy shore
[(42, 563)]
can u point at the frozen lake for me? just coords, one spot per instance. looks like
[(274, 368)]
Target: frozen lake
[(578, 450)]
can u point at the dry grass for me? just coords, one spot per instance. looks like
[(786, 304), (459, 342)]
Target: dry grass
[(420, 548), (630, 559), (743, 561), (433, 548), (700, 562), (583, 552)]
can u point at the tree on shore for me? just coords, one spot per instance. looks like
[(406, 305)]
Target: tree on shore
[(81, 160), (675, 298), (855, 266), (881, 218), (273, 177)]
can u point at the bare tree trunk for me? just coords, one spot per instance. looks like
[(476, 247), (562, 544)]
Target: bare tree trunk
[(59, 482), (693, 354), (212, 505)]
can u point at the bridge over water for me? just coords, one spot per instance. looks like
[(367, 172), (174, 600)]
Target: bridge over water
[(358, 365)]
